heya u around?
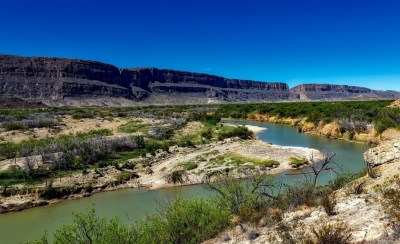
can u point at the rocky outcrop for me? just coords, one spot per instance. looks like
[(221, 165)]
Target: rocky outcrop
[(388, 150), (331, 92), (75, 82), (54, 80)]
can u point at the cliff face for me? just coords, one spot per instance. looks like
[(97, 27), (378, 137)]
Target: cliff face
[(56, 80), (74, 82), (327, 91)]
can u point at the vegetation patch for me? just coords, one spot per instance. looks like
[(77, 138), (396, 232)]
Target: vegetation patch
[(297, 162), (242, 132), (134, 127), (240, 159), (190, 165)]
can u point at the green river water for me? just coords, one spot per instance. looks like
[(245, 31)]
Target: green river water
[(132, 204)]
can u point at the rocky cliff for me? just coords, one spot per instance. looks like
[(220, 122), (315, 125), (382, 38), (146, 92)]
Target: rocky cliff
[(329, 92), (74, 82), (60, 81)]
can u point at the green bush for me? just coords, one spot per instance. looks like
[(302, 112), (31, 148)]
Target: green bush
[(94, 133), (384, 124), (207, 133), (184, 221), (190, 165), (124, 176), (207, 119), (133, 127), (83, 114), (90, 228), (176, 176), (360, 112), (234, 131)]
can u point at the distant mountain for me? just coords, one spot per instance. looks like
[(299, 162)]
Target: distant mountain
[(74, 82), (329, 92)]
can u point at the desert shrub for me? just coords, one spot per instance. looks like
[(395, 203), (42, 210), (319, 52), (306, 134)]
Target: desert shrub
[(83, 114), (93, 133), (9, 150), (177, 123), (234, 131), (153, 145), (125, 176), (332, 234), (384, 123), (328, 203), (292, 233), (391, 204), (176, 176), (245, 198), (185, 141), (14, 125), (133, 127), (90, 228), (139, 142), (250, 213), (357, 187), (301, 193), (183, 221), (104, 113), (297, 162), (190, 165), (160, 132), (207, 133), (207, 119), (342, 179), (40, 122), (295, 233)]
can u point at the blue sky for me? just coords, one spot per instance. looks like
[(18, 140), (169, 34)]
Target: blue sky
[(353, 42)]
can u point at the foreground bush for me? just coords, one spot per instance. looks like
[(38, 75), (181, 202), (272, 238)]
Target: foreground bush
[(295, 233), (332, 234), (183, 221), (391, 205), (90, 228)]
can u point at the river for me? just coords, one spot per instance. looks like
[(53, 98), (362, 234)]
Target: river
[(132, 204)]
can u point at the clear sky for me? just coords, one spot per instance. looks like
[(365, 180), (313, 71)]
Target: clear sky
[(355, 42)]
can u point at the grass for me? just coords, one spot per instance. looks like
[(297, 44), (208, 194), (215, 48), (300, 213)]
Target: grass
[(134, 127), (218, 160), (93, 133), (240, 159), (123, 156), (190, 165), (297, 162)]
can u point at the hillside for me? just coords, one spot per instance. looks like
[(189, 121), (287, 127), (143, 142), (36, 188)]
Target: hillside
[(74, 82)]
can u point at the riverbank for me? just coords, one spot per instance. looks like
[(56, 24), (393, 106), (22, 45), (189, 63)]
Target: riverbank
[(242, 158), (357, 205), (333, 130)]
